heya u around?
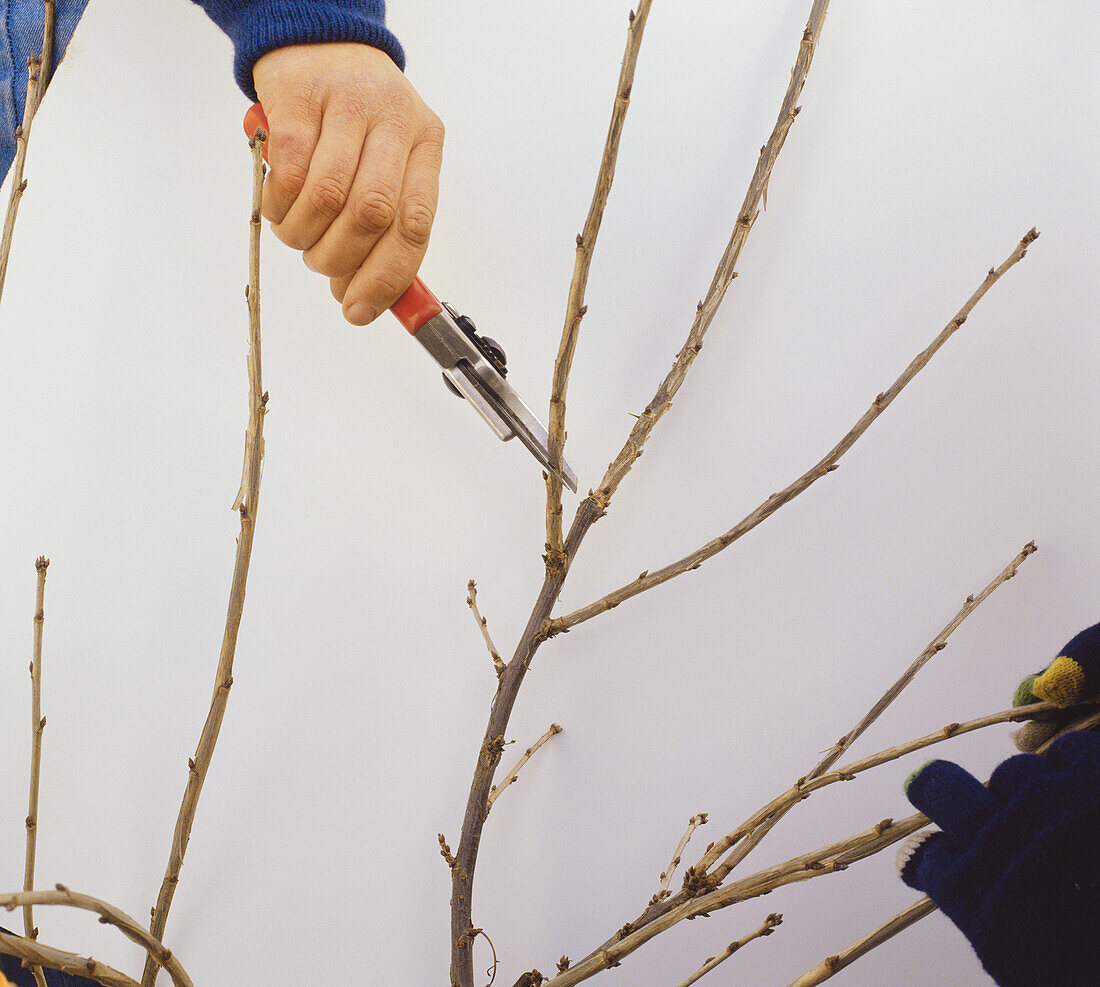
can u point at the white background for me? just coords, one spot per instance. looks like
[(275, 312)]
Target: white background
[(932, 137)]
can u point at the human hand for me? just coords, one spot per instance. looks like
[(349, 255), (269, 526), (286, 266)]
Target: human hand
[(355, 157), (1016, 865)]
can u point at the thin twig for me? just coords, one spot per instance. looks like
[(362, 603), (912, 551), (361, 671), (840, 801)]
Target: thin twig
[(805, 787), (575, 307), (666, 877), (18, 183), (108, 915), (56, 959), (650, 578), (509, 778), (471, 602), (938, 643), (590, 510), (765, 930), (838, 961), (38, 725), (247, 503)]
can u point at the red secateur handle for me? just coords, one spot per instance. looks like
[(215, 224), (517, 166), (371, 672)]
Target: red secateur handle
[(413, 308)]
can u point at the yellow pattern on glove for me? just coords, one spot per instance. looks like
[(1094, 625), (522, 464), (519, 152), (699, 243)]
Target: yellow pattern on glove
[(1062, 683)]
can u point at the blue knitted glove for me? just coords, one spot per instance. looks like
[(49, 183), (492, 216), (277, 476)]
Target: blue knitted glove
[(1072, 676), (1017, 864)]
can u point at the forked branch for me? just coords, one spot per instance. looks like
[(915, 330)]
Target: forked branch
[(649, 579), (735, 845), (591, 509)]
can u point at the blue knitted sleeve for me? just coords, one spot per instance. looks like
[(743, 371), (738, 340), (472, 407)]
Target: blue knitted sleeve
[(258, 26)]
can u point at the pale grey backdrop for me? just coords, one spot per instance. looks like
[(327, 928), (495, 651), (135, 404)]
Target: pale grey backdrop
[(932, 137)]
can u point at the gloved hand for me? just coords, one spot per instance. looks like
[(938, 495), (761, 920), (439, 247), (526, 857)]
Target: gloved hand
[(1072, 676), (1016, 865)]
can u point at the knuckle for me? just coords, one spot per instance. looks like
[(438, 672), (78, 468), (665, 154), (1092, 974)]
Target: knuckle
[(385, 287), (433, 131), (373, 212), (415, 221), (290, 175), (332, 264), (328, 196)]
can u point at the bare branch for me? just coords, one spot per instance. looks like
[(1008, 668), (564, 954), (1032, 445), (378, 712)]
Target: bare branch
[(766, 929), (590, 510), (108, 915), (652, 578), (575, 308), (509, 778), (938, 643), (483, 624), (838, 961), (38, 725), (56, 959), (247, 503), (666, 877)]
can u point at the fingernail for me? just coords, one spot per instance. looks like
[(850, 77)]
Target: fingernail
[(361, 313)]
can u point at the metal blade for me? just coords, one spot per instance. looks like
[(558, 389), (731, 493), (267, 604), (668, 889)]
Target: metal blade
[(490, 394), (508, 406)]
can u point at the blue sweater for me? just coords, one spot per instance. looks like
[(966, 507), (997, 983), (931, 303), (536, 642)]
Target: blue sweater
[(254, 26)]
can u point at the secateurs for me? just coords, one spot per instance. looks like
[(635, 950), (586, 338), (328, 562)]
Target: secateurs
[(473, 366)]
